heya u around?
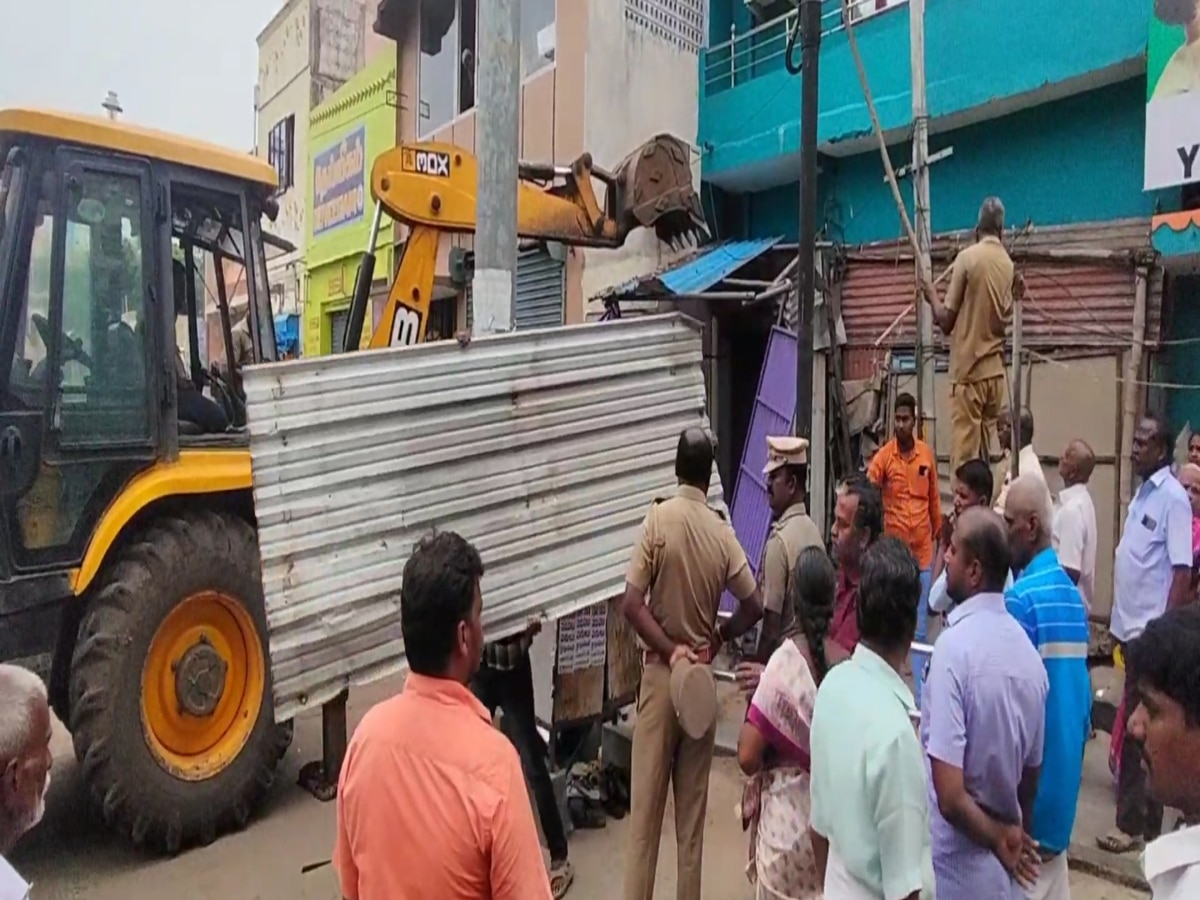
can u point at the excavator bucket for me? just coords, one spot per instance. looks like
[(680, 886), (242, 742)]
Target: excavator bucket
[(655, 190)]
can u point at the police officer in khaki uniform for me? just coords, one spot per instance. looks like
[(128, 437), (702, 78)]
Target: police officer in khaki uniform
[(974, 315), (685, 557), (787, 475)]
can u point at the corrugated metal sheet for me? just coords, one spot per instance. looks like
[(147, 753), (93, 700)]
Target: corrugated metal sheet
[(1071, 304), (708, 269), (774, 406), (544, 448), (541, 286)]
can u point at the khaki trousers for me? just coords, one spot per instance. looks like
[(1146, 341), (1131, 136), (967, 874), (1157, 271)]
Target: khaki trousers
[(664, 756), (974, 409)]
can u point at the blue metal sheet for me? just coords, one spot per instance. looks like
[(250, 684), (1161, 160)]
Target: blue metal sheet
[(774, 407), (701, 273)]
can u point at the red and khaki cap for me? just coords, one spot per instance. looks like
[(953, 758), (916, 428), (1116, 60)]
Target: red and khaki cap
[(785, 451)]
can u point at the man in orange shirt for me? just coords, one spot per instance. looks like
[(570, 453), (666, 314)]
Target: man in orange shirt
[(906, 472), (432, 801)]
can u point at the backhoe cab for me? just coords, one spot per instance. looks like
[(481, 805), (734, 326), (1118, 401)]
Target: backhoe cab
[(129, 568)]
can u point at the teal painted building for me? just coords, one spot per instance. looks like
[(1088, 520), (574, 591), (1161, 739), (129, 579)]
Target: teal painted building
[(1041, 107), (1038, 102)]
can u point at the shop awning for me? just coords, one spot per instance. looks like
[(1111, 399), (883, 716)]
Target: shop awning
[(700, 272)]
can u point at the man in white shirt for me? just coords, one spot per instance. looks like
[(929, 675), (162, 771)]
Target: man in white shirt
[(1167, 725), (1029, 462), (1152, 573), (1075, 536), (24, 766)]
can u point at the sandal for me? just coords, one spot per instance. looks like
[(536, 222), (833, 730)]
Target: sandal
[(562, 875), (1119, 842)]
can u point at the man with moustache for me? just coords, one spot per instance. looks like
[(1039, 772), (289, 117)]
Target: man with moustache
[(1151, 574), (1166, 724), (432, 799)]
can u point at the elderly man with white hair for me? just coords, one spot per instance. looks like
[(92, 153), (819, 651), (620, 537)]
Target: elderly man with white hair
[(1047, 603), (24, 766)]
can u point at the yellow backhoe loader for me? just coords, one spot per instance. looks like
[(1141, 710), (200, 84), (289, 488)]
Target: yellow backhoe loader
[(129, 566)]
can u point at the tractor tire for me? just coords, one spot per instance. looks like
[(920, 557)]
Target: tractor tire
[(171, 708)]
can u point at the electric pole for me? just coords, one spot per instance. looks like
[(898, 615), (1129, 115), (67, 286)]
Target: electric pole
[(810, 54), (497, 106), (926, 402)]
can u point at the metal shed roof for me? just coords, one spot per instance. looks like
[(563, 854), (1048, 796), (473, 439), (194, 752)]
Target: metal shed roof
[(696, 274)]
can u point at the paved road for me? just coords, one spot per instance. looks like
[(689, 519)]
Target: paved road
[(71, 856)]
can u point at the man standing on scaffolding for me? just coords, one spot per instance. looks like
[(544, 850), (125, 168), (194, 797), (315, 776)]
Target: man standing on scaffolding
[(975, 316)]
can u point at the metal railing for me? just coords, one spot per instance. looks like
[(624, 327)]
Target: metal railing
[(762, 50)]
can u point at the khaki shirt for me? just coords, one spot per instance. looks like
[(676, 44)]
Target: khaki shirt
[(243, 344), (685, 557), (981, 291), (789, 535)]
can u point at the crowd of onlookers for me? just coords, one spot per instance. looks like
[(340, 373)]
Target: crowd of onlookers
[(855, 789), (981, 800)]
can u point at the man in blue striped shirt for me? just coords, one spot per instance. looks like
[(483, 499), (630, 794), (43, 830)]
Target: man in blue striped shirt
[(1048, 605)]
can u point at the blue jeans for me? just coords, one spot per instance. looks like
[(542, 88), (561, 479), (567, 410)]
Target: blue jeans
[(923, 607), (920, 660)]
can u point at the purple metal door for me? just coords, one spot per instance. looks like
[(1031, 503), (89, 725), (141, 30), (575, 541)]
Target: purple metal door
[(774, 407)]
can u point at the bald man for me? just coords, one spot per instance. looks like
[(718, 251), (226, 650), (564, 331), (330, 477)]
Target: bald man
[(1049, 607), (1075, 537), (982, 719), (974, 315)]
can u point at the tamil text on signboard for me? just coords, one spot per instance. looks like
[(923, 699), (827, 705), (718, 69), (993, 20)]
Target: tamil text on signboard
[(1173, 95), (339, 182)]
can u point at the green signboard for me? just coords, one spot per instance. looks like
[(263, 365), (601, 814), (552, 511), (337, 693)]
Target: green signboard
[(1173, 94)]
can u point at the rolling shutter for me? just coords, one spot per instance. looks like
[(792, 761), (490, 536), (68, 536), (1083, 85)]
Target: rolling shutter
[(541, 284), (338, 321)]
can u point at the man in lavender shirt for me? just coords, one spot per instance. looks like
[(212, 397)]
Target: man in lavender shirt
[(982, 720)]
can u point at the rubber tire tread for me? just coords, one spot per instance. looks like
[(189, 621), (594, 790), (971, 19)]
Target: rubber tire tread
[(173, 558)]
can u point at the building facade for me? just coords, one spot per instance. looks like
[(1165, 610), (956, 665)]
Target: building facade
[(345, 133), (597, 76), (1173, 159), (308, 50), (1025, 104)]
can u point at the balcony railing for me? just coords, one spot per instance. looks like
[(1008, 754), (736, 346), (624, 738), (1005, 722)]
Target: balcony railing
[(762, 49)]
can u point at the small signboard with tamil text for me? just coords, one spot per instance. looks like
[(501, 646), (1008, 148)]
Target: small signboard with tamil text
[(339, 182)]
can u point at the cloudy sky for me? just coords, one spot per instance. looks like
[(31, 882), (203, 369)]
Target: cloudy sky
[(182, 67)]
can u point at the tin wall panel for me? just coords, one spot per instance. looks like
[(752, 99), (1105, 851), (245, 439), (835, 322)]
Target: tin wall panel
[(544, 448)]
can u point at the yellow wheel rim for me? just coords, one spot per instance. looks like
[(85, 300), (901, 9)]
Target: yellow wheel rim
[(202, 686)]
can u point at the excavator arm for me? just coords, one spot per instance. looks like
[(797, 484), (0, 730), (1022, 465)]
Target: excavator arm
[(431, 188)]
